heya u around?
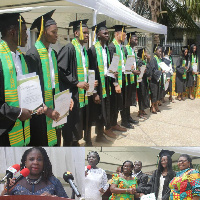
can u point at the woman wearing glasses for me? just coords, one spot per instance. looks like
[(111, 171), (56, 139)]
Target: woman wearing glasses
[(186, 184)]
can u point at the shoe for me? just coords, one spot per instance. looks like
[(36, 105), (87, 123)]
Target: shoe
[(127, 125), (131, 120), (117, 127), (144, 113), (109, 133), (151, 110), (103, 139)]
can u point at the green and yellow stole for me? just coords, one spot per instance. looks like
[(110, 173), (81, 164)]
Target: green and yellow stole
[(100, 63), (83, 100), (17, 136), (183, 65), (129, 51), (194, 61), (48, 92), (118, 52)]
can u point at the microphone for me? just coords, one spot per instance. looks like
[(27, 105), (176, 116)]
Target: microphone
[(23, 173), (10, 171), (88, 168), (68, 177)]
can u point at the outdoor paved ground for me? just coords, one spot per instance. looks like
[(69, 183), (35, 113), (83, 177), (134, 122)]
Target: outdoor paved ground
[(178, 124)]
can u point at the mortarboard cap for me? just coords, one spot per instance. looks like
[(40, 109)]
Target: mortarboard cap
[(166, 153), (130, 35), (100, 26), (119, 28), (156, 47), (77, 24), (47, 21), (183, 48), (141, 52)]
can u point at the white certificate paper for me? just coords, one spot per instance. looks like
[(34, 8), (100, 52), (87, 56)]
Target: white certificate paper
[(150, 196), (29, 92), (91, 80), (62, 103), (129, 63), (113, 66), (142, 70), (164, 67), (194, 67)]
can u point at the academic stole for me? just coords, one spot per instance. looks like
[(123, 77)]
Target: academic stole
[(132, 77), (83, 100), (183, 65), (158, 60), (118, 51), (100, 63), (17, 136), (48, 95), (194, 60)]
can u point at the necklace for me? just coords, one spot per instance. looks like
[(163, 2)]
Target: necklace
[(34, 182)]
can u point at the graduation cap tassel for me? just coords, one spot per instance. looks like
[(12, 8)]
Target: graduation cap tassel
[(94, 33), (169, 51), (20, 30), (143, 54), (129, 41), (41, 29), (81, 32), (122, 32)]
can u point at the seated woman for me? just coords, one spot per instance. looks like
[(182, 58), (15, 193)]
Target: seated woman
[(123, 184), (186, 183), (41, 180)]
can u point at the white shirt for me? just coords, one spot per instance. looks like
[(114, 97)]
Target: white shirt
[(162, 180), (17, 63), (83, 61), (52, 73), (133, 53), (122, 56), (105, 60)]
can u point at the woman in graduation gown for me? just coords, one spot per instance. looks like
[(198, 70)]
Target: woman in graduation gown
[(182, 66), (156, 80), (159, 182), (12, 117), (41, 58), (143, 90)]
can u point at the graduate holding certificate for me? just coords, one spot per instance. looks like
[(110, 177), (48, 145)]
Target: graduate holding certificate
[(12, 64)]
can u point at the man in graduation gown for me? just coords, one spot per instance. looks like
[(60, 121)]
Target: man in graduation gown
[(130, 83), (14, 121), (41, 59), (116, 97), (73, 62), (99, 60)]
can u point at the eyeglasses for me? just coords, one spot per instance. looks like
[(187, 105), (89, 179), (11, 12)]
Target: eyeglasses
[(182, 161)]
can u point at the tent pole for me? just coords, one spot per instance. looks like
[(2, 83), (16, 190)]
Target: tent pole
[(165, 39), (94, 22)]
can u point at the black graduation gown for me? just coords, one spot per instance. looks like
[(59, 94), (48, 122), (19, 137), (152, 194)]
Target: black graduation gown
[(180, 82), (100, 113), (155, 86), (190, 78), (38, 126), (116, 99), (154, 184), (8, 114), (78, 119), (143, 90), (142, 184)]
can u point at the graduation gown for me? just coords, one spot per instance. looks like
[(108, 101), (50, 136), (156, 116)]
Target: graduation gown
[(190, 77), (8, 114), (154, 184), (99, 112), (78, 119), (38, 126), (155, 87), (180, 82)]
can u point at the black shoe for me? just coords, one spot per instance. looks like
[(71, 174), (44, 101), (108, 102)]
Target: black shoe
[(127, 125), (131, 120), (103, 139)]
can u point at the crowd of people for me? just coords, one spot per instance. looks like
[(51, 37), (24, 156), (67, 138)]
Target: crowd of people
[(69, 69), (129, 182)]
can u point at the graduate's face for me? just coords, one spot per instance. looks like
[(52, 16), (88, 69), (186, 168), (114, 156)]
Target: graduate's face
[(103, 35), (164, 161), (123, 36), (34, 162), (51, 34), (134, 41), (183, 163), (159, 52), (194, 49), (185, 52), (24, 35), (85, 34)]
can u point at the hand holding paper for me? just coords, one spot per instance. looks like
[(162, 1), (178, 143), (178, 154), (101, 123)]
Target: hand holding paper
[(91, 81), (113, 66)]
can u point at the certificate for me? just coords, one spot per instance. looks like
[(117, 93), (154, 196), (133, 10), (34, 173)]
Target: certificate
[(62, 103), (29, 92), (129, 63), (91, 81), (194, 67), (164, 67), (142, 70), (113, 66), (150, 196)]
